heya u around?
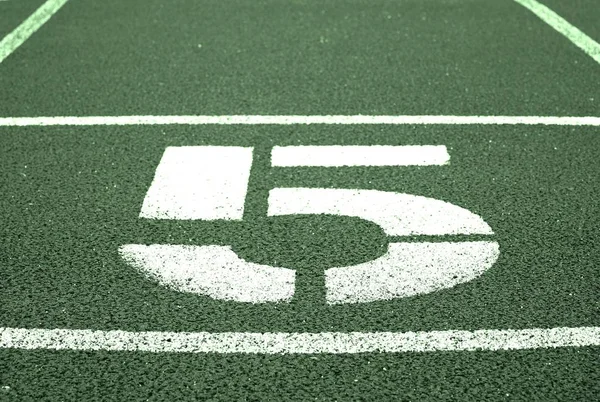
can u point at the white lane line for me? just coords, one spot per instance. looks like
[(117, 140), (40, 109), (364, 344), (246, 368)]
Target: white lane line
[(199, 182), (580, 39), (297, 343), (290, 120), (353, 155), (16, 38)]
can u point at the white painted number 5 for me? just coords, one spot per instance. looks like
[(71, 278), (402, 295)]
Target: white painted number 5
[(210, 183)]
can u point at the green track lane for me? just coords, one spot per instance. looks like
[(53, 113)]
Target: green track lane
[(71, 196)]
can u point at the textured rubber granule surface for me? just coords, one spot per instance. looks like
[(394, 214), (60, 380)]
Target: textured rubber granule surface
[(70, 196)]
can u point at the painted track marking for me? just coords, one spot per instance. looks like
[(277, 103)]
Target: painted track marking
[(295, 119), (199, 182), (297, 343), (409, 269), (210, 183), (406, 269), (397, 214), (574, 34), (28, 27), (356, 155), (214, 271)]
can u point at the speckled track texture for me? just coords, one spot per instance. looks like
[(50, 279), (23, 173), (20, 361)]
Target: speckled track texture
[(71, 195)]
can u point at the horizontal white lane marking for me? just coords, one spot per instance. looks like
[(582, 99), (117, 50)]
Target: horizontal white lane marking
[(574, 34), (28, 27), (356, 155), (297, 343), (289, 120), (199, 182)]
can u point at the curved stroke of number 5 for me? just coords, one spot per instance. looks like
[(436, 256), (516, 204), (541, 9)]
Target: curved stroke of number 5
[(210, 183)]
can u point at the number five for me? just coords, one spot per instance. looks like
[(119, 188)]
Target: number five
[(210, 183)]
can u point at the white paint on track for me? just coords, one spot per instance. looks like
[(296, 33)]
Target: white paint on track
[(574, 34), (398, 214), (296, 120), (199, 182), (214, 271), (356, 155), (409, 269), (28, 27), (297, 343)]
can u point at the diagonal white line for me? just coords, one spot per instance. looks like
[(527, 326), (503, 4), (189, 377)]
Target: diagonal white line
[(580, 39), (294, 119), (297, 343), (16, 38)]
